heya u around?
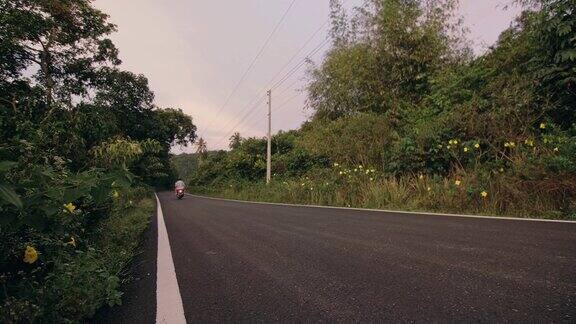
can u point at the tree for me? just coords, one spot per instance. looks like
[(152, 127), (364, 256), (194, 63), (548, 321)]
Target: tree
[(201, 148), (395, 49), (65, 39), (235, 141)]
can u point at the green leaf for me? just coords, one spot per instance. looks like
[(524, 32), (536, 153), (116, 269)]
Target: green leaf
[(6, 165), (8, 195), (100, 194), (74, 193)]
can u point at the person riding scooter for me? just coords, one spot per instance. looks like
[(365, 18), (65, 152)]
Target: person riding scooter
[(179, 188)]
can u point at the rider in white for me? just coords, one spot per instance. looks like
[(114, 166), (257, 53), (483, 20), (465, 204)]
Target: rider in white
[(179, 185)]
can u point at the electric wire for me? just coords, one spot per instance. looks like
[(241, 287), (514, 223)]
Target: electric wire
[(254, 60)]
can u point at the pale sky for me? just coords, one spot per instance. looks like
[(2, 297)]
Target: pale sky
[(194, 52)]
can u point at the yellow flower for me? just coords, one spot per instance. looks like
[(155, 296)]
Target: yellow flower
[(115, 194), (484, 194), (336, 164), (30, 255), (512, 144), (555, 149), (71, 242), (429, 189), (529, 142), (477, 145), (371, 179), (542, 126), (421, 177), (448, 147), (457, 182), (341, 172), (69, 207), (465, 150)]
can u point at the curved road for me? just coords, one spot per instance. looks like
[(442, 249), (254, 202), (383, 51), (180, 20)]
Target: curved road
[(241, 262)]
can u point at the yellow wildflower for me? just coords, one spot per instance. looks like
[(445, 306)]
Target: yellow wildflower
[(465, 150), (457, 182), (336, 164), (341, 172), (371, 179), (542, 126), (30, 255), (555, 149), (421, 177), (429, 189), (477, 145), (71, 242), (115, 194), (484, 194), (529, 142), (70, 208)]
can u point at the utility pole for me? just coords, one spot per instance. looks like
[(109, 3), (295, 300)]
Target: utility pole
[(269, 148)]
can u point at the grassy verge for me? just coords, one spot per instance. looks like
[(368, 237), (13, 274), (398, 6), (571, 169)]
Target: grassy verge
[(493, 195), (73, 287)]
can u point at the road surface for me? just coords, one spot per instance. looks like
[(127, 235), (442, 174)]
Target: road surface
[(241, 262)]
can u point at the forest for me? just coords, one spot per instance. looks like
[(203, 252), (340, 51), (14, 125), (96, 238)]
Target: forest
[(82, 146), (406, 116)]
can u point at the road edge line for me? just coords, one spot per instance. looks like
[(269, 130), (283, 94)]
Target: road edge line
[(169, 307), (388, 211)]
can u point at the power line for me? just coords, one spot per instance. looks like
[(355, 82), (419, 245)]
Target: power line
[(283, 79), (300, 64), (251, 65), (256, 105), (282, 69), (279, 108), (277, 84)]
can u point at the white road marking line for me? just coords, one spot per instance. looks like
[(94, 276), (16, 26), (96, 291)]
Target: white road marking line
[(392, 211), (169, 308)]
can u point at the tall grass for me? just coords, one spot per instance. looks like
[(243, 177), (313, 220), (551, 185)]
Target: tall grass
[(496, 194)]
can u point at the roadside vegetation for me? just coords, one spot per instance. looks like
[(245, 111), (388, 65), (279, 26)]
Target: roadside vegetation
[(404, 116), (82, 145)]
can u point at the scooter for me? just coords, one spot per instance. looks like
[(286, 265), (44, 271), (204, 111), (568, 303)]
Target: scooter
[(179, 193)]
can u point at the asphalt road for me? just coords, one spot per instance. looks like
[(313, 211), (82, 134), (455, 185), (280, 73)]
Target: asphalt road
[(240, 262)]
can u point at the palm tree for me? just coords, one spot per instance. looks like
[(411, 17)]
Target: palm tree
[(235, 141), (202, 149)]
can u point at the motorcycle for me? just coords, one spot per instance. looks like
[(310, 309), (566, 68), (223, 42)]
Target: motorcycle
[(179, 193)]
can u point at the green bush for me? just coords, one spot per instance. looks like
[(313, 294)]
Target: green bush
[(69, 282)]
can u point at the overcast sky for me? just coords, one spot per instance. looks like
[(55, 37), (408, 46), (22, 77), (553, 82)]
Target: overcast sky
[(194, 52)]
